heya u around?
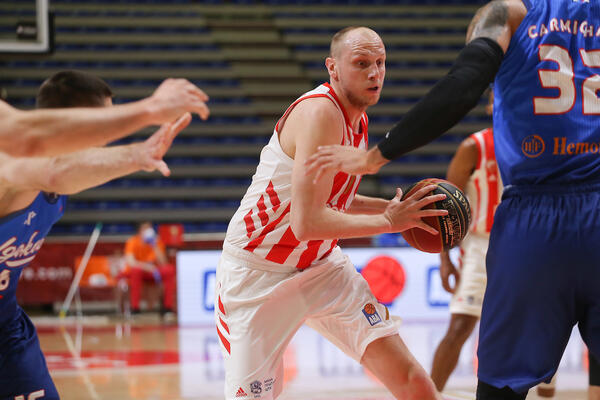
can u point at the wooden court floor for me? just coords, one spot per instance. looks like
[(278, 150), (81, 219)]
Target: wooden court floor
[(104, 358)]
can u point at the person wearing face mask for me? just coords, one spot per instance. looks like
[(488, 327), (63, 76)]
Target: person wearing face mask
[(146, 262)]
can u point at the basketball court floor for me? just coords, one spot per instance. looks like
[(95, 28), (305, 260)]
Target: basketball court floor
[(106, 358)]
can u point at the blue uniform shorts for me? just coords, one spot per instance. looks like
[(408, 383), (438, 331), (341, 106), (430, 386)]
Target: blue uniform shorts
[(23, 369), (543, 277)]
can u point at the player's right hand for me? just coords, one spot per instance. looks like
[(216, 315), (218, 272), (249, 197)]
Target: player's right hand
[(408, 213), (448, 269), (174, 97)]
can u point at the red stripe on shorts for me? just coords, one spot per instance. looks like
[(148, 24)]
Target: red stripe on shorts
[(225, 342), (221, 308), (224, 324)]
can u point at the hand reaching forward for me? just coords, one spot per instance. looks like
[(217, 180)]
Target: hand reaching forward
[(408, 213), (337, 158), (174, 97), (151, 152)]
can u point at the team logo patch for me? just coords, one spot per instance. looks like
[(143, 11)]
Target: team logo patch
[(533, 146), (256, 387), (371, 314), (241, 393)]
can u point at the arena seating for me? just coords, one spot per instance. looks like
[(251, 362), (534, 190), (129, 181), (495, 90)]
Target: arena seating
[(253, 58)]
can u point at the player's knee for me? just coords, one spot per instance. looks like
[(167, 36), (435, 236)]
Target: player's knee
[(460, 328)]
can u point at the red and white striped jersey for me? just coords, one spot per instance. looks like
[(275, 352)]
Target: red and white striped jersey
[(484, 187), (261, 224)]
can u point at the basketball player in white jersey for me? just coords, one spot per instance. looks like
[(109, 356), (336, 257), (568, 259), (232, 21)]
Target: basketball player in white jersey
[(281, 266), (473, 169)]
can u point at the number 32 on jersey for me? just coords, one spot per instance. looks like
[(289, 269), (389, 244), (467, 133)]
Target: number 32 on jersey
[(563, 80)]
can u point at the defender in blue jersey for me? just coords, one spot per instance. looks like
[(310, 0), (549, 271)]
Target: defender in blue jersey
[(29, 207), (542, 263)]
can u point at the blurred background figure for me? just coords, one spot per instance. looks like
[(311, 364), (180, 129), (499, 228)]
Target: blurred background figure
[(146, 259)]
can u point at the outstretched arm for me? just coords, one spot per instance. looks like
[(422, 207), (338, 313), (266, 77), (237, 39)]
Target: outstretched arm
[(317, 122), (82, 170), (51, 132), (488, 38)]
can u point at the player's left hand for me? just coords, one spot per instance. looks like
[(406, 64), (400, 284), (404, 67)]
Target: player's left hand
[(150, 155)]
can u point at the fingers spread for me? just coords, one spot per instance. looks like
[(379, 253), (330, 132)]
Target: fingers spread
[(425, 201), (180, 124), (433, 213), (196, 91), (419, 194)]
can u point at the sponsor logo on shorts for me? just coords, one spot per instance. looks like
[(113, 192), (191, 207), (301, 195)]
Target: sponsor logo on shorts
[(269, 384), (256, 387), (533, 146), (371, 314), (241, 393)]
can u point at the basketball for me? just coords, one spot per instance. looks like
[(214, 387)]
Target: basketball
[(452, 228)]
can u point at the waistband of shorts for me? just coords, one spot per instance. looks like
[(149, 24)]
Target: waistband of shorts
[(253, 261), (551, 189)]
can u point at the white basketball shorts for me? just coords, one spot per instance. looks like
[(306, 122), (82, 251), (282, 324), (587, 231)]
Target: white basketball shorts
[(468, 296), (260, 305)]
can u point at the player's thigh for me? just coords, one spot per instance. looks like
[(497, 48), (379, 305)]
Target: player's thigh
[(257, 313), (345, 312), (468, 296), (589, 278), (24, 373), (529, 306)]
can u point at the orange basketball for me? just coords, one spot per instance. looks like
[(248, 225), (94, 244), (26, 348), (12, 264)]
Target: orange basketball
[(452, 228)]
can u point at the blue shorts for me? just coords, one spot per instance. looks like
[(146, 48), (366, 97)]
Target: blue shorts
[(543, 277), (23, 368)]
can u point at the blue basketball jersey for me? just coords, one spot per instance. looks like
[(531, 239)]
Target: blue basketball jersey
[(21, 236), (546, 108)]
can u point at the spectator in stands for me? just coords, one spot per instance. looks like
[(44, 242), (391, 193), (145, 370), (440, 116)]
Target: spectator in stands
[(146, 261), (66, 129)]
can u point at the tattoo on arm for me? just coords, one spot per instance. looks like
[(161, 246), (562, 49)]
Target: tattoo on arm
[(490, 21)]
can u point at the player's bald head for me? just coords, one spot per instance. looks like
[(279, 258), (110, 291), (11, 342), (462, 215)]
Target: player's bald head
[(351, 37)]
